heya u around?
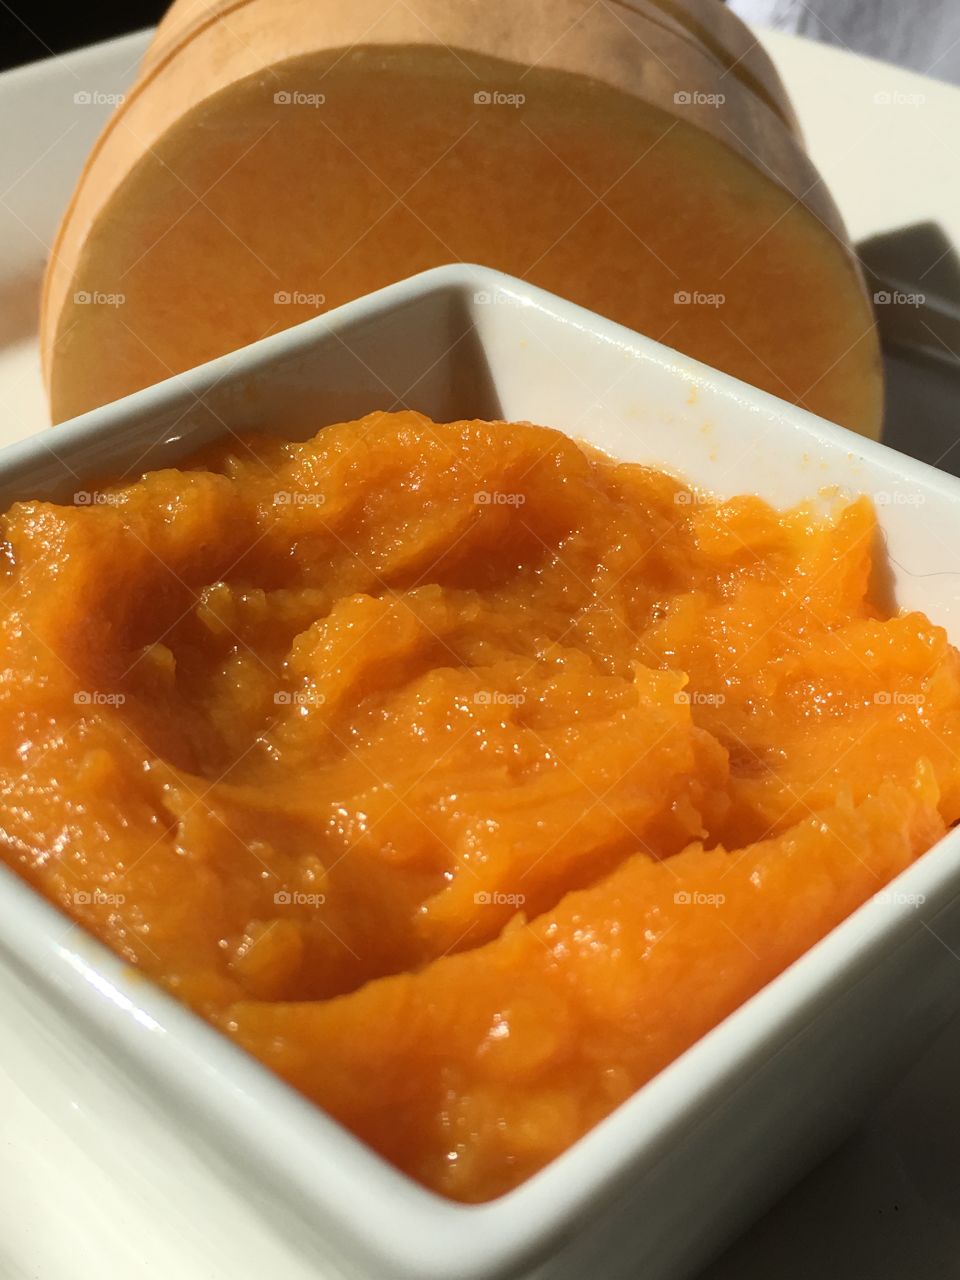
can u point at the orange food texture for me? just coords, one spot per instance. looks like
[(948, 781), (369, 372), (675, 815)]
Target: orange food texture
[(462, 774), (474, 1072)]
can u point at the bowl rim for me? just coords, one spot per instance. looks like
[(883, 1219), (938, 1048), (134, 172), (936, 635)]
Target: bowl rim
[(239, 1101)]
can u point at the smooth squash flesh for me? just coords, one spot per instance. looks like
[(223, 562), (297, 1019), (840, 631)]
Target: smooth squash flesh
[(463, 775), (275, 160)]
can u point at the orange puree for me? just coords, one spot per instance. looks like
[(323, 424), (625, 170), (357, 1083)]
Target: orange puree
[(463, 775)]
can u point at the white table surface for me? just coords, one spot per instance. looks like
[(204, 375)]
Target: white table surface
[(887, 1205)]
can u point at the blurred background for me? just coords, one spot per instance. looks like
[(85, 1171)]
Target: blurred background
[(921, 34), (37, 29)]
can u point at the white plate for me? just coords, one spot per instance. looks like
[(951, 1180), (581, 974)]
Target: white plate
[(887, 1205)]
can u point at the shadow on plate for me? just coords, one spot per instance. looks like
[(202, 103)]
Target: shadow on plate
[(885, 1205), (914, 276)]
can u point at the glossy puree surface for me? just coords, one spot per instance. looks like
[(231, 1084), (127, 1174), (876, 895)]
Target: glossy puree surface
[(462, 775)]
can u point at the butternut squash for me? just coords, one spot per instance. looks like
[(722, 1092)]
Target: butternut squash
[(280, 157)]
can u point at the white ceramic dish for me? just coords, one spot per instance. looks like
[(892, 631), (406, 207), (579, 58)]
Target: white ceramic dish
[(675, 1172)]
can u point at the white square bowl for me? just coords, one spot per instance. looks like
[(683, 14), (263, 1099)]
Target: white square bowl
[(179, 1115)]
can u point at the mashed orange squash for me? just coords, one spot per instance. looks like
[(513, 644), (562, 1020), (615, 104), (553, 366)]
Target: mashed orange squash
[(463, 775)]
